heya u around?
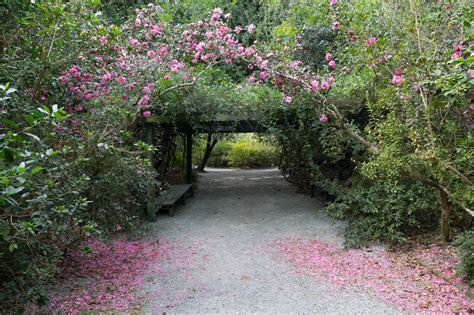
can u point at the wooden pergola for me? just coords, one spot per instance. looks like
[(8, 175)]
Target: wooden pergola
[(215, 126), (221, 124)]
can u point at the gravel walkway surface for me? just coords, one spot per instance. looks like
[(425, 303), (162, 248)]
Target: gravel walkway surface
[(224, 263)]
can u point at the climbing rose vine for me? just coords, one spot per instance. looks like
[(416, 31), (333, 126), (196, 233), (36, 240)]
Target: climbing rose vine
[(153, 57)]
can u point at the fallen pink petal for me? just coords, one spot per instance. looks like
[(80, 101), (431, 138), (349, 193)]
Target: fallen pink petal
[(414, 280)]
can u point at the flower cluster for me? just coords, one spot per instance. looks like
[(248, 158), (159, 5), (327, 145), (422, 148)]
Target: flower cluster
[(457, 51), (154, 51)]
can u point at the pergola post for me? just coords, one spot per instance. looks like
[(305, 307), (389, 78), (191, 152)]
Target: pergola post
[(151, 204), (189, 156)]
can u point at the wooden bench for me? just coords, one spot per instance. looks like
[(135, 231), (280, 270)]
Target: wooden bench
[(172, 196)]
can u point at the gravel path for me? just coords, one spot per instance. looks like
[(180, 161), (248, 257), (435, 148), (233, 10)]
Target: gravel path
[(223, 263)]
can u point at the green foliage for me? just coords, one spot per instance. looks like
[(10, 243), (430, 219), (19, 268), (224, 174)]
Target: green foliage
[(245, 151), (315, 42), (250, 153), (63, 177), (383, 211), (220, 156), (417, 135), (40, 209), (465, 244)]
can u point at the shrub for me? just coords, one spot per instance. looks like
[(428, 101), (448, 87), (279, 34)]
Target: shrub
[(465, 243), (220, 156), (249, 153), (65, 172)]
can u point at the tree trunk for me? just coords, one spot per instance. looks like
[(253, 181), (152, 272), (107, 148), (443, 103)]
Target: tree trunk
[(445, 212), (210, 144)]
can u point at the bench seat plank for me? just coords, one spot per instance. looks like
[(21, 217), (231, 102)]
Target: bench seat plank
[(173, 195)]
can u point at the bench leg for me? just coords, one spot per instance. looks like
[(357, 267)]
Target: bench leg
[(171, 211)]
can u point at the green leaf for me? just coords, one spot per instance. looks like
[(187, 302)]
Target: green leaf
[(33, 136), (10, 190), (36, 170), (30, 120), (9, 123), (37, 113), (8, 155), (10, 90), (12, 247), (22, 168), (5, 180)]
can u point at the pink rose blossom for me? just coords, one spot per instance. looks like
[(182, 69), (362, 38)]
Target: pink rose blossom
[(216, 14), (130, 86), (314, 84), (166, 77), (74, 71), (264, 75), (79, 108), (328, 57), (250, 28), (133, 42), (336, 25), (148, 88), (249, 51), (121, 80), (144, 101), (251, 79), (397, 79), (103, 39), (370, 41), (457, 46), (155, 30), (332, 64), (238, 29), (456, 55), (325, 85), (151, 53), (146, 114), (323, 119), (471, 106), (288, 99), (332, 2)]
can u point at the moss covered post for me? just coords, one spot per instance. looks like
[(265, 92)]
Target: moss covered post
[(151, 202), (189, 156)]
